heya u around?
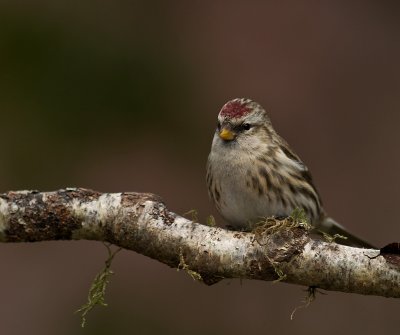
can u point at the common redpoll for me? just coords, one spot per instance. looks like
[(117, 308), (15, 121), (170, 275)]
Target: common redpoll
[(252, 173)]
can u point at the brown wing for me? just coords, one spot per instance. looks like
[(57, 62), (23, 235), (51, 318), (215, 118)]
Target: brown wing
[(305, 172)]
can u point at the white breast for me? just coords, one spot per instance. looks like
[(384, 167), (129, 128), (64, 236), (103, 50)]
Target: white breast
[(240, 202)]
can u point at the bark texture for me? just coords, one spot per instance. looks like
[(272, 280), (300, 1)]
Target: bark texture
[(141, 222)]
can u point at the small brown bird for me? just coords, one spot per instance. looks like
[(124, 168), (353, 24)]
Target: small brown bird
[(252, 173)]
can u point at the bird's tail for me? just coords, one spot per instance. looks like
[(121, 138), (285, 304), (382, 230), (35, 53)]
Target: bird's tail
[(331, 227)]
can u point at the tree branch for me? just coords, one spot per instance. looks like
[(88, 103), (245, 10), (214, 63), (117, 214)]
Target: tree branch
[(142, 223)]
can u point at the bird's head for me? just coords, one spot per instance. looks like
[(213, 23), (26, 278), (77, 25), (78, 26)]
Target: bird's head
[(243, 120)]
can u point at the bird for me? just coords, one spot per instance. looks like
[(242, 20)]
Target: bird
[(253, 174)]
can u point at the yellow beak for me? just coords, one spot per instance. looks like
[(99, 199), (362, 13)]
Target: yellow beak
[(226, 135)]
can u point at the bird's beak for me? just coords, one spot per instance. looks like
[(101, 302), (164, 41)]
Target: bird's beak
[(226, 134)]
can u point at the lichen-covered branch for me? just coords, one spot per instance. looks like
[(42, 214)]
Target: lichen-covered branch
[(142, 223)]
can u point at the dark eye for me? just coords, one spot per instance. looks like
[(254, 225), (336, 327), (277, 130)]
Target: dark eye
[(246, 126), (218, 125)]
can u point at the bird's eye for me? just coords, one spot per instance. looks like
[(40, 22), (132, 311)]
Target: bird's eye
[(218, 125), (246, 126)]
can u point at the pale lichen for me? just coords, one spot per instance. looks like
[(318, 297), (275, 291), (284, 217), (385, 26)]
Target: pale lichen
[(310, 297), (332, 238), (183, 266), (192, 215), (211, 221), (97, 291)]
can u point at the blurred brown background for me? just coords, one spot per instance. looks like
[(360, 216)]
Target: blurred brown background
[(123, 96)]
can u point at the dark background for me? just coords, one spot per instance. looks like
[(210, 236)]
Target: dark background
[(123, 96)]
